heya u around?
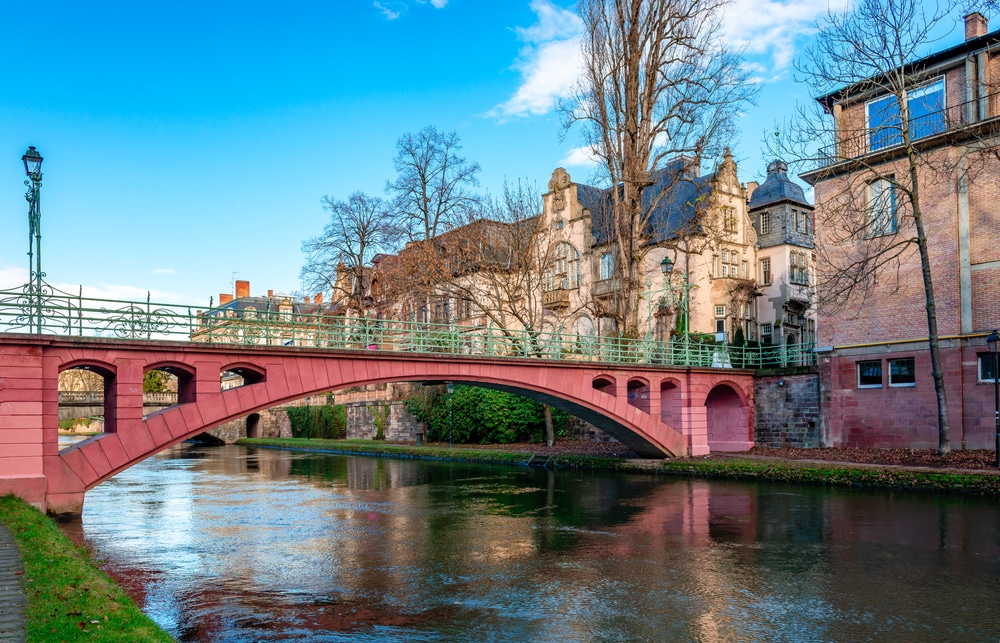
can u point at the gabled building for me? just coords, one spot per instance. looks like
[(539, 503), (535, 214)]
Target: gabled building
[(875, 362)]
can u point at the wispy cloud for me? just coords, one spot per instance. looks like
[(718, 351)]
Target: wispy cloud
[(772, 31), (549, 62), (12, 278), (393, 9), (579, 157), (163, 271)]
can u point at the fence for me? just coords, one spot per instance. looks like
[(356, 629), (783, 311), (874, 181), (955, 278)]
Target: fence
[(58, 313)]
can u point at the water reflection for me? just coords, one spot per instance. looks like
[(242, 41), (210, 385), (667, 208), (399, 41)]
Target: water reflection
[(233, 544)]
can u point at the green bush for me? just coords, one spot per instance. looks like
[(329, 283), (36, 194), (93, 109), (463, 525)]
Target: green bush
[(483, 416), (323, 422)]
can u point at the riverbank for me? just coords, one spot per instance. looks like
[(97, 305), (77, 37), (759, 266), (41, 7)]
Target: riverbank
[(68, 597), (745, 467)]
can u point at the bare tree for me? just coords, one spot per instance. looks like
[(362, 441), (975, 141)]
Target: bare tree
[(430, 193), (658, 86), (871, 211), (489, 270), (340, 258)]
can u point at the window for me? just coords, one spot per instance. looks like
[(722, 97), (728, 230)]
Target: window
[(795, 220), (881, 209), (765, 271), (870, 374), (725, 270), (987, 368), (744, 266), (563, 272), (725, 256), (720, 325), (765, 333), (607, 266), (765, 222), (805, 223), (926, 116), (902, 372), (715, 265), (797, 272), (720, 311), (729, 220)]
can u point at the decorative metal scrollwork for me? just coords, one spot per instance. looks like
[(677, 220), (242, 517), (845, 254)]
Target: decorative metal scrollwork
[(134, 322), (39, 307)]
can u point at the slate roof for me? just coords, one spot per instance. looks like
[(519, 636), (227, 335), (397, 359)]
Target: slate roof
[(777, 188), (678, 206)]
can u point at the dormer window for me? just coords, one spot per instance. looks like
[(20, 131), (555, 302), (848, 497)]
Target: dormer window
[(926, 116)]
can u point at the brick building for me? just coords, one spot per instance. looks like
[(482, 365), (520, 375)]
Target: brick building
[(874, 361)]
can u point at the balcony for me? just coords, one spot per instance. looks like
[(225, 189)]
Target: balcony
[(972, 118), (553, 299), (605, 287)]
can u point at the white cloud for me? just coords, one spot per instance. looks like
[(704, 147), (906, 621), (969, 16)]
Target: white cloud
[(391, 10), (579, 157), (439, 4), (163, 271), (549, 63), (773, 30), (12, 278)]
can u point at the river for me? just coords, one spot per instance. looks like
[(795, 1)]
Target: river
[(228, 544)]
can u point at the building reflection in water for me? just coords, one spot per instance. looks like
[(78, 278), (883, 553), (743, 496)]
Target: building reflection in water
[(229, 544)]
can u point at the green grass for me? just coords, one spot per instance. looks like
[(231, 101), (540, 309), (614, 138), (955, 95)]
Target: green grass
[(730, 468), (69, 598)]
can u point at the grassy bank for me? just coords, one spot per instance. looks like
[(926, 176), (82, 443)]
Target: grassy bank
[(728, 468), (69, 598)]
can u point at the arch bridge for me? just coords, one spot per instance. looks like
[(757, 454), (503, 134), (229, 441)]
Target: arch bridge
[(657, 411)]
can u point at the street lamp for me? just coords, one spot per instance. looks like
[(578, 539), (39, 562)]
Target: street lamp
[(33, 168), (667, 268), (991, 342)]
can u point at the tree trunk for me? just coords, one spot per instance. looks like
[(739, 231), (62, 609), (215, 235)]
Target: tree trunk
[(550, 434)]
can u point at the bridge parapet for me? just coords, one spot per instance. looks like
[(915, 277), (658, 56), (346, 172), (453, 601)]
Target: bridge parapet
[(74, 315)]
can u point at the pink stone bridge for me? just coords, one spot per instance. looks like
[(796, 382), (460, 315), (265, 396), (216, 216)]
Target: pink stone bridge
[(656, 411)]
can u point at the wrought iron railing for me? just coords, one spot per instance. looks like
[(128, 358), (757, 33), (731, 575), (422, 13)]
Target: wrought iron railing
[(866, 140), (75, 315)]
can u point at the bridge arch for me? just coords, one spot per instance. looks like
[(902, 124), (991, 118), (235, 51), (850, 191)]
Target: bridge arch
[(728, 418)]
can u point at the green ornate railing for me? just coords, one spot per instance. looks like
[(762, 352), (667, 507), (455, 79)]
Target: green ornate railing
[(66, 314)]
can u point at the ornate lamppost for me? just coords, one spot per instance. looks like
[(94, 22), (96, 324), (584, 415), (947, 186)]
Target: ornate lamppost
[(33, 168), (991, 342)]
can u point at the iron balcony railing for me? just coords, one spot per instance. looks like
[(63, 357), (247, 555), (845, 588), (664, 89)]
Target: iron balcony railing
[(865, 140), (75, 315)]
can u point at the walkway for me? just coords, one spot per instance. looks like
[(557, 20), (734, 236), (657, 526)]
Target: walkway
[(12, 598)]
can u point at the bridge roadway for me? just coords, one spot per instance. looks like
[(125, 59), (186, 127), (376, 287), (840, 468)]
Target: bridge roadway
[(657, 411)]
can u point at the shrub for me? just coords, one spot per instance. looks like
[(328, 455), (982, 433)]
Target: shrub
[(482, 416), (323, 422)]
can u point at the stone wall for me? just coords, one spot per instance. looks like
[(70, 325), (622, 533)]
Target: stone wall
[(403, 427), (269, 423), (787, 409)]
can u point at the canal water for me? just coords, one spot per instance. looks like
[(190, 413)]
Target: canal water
[(241, 544)]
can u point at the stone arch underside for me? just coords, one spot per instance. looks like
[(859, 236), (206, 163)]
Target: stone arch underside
[(101, 457)]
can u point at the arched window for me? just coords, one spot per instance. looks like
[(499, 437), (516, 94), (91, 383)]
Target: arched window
[(563, 271)]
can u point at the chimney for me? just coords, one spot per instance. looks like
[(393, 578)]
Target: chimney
[(319, 298), (751, 186), (225, 298), (242, 289), (270, 293), (975, 25), (307, 299)]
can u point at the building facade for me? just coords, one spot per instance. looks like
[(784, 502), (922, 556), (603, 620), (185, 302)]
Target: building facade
[(874, 359)]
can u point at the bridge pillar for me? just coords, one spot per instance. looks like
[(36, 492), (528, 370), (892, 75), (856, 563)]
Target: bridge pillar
[(695, 428), (22, 418)]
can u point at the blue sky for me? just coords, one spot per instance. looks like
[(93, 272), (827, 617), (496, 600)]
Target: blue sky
[(188, 141)]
